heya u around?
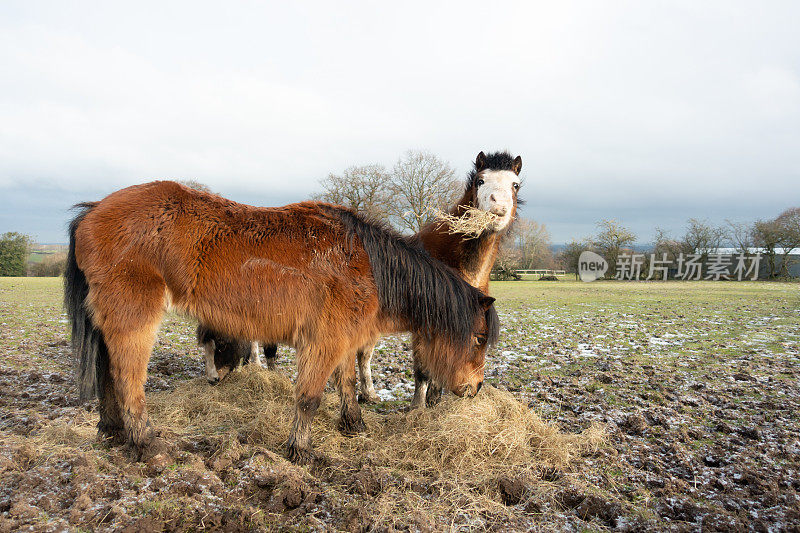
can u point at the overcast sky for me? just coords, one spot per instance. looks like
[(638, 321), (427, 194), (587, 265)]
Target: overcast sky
[(648, 112)]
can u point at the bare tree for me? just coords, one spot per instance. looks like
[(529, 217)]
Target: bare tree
[(788, 224), (421, 182), (533, 242), (741, 235), (767, 234), (568, 257), (508, 261), (664, 244), (361, 188), (611, 241), (702, 238), (528, 247)]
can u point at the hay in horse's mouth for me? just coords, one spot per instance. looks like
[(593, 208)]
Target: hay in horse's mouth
[(471, 224)]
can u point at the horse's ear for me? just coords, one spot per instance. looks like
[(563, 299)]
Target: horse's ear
[(516, 166), (480, 162), (486, 302)]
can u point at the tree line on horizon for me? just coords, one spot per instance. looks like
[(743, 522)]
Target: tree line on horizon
[(776, 239)]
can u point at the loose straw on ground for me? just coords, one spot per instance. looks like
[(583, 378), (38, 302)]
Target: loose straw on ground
[(478, 437)]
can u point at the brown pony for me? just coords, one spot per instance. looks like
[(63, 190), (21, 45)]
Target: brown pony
[(492, 185), (338, 280)]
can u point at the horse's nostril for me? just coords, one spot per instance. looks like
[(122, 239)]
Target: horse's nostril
[(479, 387)]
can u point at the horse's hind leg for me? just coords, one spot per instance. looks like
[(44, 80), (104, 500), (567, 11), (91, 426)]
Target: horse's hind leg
[(314, 367), (271, 355), (351, 421), (368, 393), (129, 320), (110, 425)]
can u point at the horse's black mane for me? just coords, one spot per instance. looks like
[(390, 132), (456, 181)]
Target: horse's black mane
[(494, 161), (413, 285)]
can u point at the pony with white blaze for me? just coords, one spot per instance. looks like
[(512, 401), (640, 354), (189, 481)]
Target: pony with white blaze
[(491, 186)]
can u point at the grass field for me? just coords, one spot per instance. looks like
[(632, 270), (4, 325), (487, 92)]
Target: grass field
[(694, 384)]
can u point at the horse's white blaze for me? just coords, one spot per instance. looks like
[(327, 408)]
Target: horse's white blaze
[(211, 369), (496, 195)]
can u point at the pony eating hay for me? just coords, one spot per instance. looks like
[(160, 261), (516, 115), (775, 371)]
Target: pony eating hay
[(338, 280)]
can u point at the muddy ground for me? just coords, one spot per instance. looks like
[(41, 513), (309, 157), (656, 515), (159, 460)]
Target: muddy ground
[(696, 384)]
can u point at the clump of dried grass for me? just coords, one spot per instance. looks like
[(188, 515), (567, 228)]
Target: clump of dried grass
[(458, 450), (63, 438), (471, 224), (60, 434), (476, 438)]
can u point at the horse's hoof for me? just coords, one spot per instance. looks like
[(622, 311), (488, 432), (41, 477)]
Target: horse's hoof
[(300, 456), (416, 403), (433, 397), (110, 434), (134, 452), (350, 428), (368, 398)]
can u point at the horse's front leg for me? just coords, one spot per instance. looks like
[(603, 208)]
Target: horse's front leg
[(427, 392), (351, 421), (255, 354), (368, 393), (211, 368), (421, 382), (434, 394)]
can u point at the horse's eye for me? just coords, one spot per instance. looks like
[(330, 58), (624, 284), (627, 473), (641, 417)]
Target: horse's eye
[(480, 182), (516, 186), (480, 340)]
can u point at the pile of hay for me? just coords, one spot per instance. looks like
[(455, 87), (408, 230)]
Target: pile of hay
[(470, 224), (473, 438)]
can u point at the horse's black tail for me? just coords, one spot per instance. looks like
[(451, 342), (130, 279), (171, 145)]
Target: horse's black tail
[(87, 341)]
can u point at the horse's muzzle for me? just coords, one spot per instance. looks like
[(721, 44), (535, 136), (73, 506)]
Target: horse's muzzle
[(468, 391)]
